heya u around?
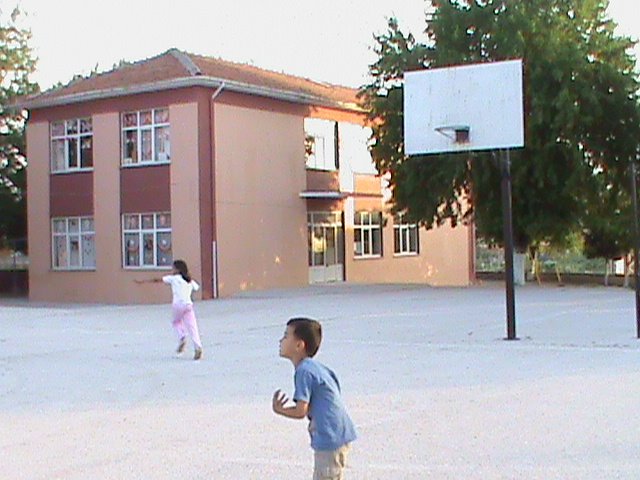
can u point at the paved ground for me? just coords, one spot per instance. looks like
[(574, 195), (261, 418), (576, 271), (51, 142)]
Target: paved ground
[(95, 392)]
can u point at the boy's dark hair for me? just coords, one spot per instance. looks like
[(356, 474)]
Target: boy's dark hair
[(181, 267), (309, 331)]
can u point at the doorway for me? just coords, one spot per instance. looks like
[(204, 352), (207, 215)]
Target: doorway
[(325, 235)]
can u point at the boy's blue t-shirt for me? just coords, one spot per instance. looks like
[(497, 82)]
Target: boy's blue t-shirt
[(330, 426)]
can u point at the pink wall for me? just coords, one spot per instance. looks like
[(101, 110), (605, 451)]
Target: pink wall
[(443, 259), (38, 221), (445, 253), (185, 207), (110, 282), (185, 192), (260, 173), (319, 180)]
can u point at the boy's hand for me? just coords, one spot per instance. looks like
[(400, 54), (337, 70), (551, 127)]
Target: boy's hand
[(278, 401), (299, 410)]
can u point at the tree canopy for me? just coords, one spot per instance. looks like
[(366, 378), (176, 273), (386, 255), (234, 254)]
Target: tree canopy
[(582, 119), (16, 64)]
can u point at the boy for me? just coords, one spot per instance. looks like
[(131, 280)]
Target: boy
[(317, 396)]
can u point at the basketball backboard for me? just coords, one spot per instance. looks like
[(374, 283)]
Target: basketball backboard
[(468, 107)]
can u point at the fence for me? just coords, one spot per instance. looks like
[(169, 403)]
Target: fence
[(14, 268)]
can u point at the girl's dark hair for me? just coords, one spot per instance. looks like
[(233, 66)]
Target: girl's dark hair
[(309, 331), (181, 267)]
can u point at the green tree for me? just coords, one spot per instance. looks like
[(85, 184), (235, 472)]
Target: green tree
[(16, 64), (581, 114), (607, 229)]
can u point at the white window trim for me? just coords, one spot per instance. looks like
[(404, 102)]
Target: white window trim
[(370, 227), (66, 137), (67, 236), (139, 129), (406, 254), (141, 231), (405, 230), (145, 164)]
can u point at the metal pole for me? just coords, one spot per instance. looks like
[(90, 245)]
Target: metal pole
[(636, 244), (507, 221)]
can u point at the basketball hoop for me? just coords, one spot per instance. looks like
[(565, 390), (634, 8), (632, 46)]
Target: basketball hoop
[(443, 105), (458, 133)]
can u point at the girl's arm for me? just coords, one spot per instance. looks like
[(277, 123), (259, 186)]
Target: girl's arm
[(149, 280)]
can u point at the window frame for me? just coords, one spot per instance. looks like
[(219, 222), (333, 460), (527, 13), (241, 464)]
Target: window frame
[(321, 136), (367, 228), (66, 137), (139, 129), (67, 235), (141, 231), (404, 230), (314, 160)]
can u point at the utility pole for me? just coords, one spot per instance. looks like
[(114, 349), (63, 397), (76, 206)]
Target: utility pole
[(636, 242)]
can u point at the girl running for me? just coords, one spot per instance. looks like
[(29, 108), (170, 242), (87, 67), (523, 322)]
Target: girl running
[(184, 318)]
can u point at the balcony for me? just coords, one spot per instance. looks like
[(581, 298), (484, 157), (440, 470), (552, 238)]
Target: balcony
[(322, 184)]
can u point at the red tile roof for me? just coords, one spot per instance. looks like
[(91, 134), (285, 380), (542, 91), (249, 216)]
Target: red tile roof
[(175, 68)]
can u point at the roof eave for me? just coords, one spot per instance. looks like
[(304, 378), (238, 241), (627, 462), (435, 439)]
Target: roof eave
[(195, 81)]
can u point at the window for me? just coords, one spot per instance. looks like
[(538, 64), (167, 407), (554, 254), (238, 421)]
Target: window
[(317, 153), (367, 234), (73, 243), (354, 141), (320, 144), (145, 137), (71, 145), (146, 240), (405, 236)]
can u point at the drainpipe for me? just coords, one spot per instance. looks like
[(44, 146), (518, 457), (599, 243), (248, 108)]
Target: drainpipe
[(217, 92), (214, 243)]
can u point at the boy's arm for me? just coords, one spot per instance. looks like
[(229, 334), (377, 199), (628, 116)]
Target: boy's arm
[(299, 410)]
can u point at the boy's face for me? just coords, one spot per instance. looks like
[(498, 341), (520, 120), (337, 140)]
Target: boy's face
[(290, 346)]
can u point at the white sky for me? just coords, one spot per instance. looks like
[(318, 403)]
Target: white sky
[(325, 40)]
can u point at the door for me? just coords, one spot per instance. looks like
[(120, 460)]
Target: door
[(326, 247)]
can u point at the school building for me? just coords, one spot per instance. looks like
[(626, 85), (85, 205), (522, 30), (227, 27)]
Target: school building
[(256, 179)]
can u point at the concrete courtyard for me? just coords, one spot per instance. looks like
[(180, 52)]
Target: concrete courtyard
[(96, 392)]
